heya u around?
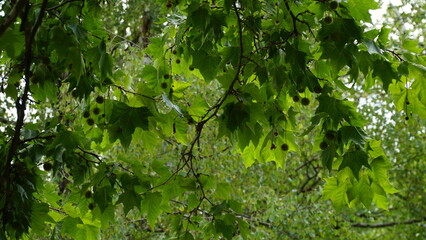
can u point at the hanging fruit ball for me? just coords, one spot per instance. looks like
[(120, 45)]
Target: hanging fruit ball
[(305, 101), (100, 99), (47, 166), (323, 145), (284, 147)]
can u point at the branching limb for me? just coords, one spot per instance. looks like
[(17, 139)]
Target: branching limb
[(390, 224), (22, 101), (11, 17)]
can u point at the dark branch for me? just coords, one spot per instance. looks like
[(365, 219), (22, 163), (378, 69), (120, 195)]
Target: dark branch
[(381, 225), (22, 101), (9, 19), (62, 4)]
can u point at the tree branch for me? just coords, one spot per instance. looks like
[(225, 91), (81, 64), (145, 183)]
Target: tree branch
[(62, 4), (381, 225), (9, 19), (22, 101)]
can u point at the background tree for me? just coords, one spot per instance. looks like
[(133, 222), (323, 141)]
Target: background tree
[(229, 116)]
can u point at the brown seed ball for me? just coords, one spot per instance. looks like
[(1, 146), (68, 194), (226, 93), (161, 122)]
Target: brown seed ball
[(317, 89), (323, 145), (305, 101), (100, 99), (174, 51), (47, 166), (177, 61), (328, 20), (88, 194), (86, 114), (163, 85), (273, 146), (334, 5), (284, 147), (90, 121), (191, 68), (330, 135), (91, 206), (166, 76), (407, 118), (96, 111), (296, 98)]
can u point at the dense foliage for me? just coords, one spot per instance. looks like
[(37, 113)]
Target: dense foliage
[(210, 119)]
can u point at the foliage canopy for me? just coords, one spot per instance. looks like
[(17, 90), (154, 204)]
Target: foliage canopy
[(130, 109)]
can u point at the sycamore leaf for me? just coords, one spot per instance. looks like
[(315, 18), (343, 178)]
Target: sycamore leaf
[(327, 156), (124, 119), (355, 160), (338, 110), (235, 114), (151, 205), (129, 199), (336, 192), (380, 167), (103, 197), (225, 229), (384, 70), (206, 63), (354, 134), (360, 9)]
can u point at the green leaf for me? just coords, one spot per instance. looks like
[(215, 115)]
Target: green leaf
[(103, 197), (384, 70), (235, 115), (206, 63), (360, 9), (39, 216), (412, 46), (380, 167), (151, 205), (336, 192), (129, 199), (123, 121), (223, 190), (372, 47), (338, 110), (354, 134), (327, 157), (355, 160), (226, 230)]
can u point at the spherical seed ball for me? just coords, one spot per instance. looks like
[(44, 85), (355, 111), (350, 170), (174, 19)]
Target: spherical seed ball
[(273, 146), (317, 89), (100, 99), (177, 61), (330, 135), (163, 85), (323, 145), (191, 68), (296, 98), (88, 194), (305, 101), (96, 111), (90, 121), (47, 166), (407, 118), (91, 206), (284, 147), (86, 114), (174, 51), (166, 76), (334, 5), (328, 20)]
